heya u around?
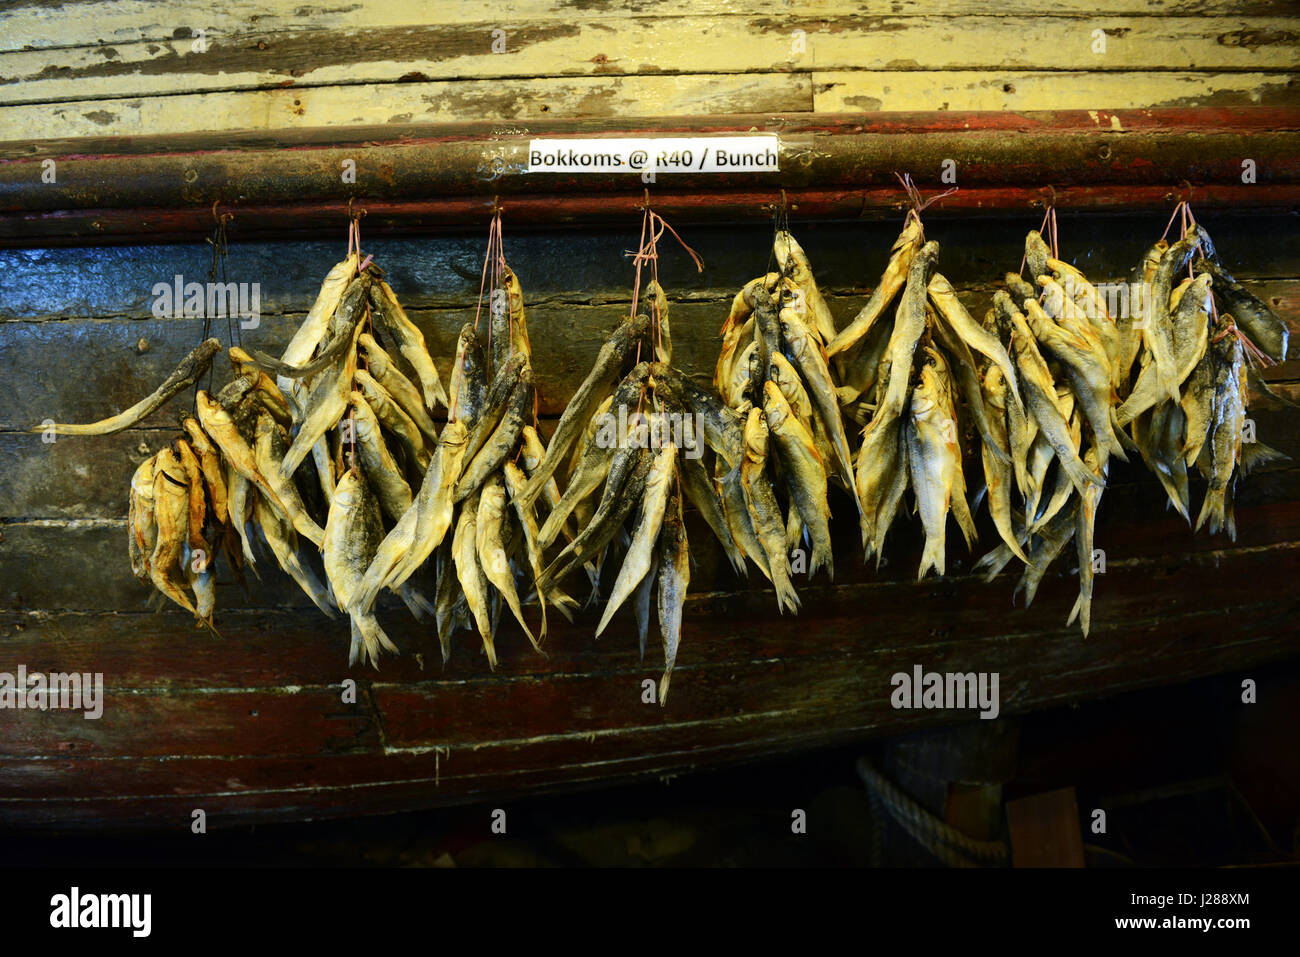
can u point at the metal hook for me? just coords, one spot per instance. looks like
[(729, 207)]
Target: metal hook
[(222, 217), (355, 214), (1048, 194)]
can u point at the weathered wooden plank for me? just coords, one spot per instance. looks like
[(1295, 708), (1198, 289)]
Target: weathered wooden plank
[(306, 722), (842, 166), (112, 282), (422, 716), (35, 25), (643, 95), (752, 207), (259, 789), (72, 480), (444, 101), (1007, 89), (758, 43), (451, 770)]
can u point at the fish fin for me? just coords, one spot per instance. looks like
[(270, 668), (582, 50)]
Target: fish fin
[(562, 602), (1080, 474), (1255, 454), (1123, 436), (663, 685), (373, 638), (1075, 612), (1257, 381), (994, 562), (965, 521), (418, 605)]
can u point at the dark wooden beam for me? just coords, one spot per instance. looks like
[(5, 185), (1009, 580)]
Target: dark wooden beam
[(838, 166)]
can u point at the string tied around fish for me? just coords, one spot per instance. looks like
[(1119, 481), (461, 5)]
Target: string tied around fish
[(917, 205), (653, 227), (1047, 229), (355, 215), (220, 260)]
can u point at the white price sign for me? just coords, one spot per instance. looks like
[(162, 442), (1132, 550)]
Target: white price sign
[(756, 153)]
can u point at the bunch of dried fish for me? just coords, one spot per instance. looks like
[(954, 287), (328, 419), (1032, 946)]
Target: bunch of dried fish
[(473, 489), (359, 388), (905, 360), (1063, 429), (233, 481), (637, 436), (177, 515), (773, 370), (1196, 345)]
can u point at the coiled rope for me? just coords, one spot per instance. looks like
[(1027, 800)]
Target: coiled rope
[(943, 841)]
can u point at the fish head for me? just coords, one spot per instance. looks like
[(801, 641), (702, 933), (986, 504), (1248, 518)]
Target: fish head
[(910, 235), (492, 497), (350, 492), (515, 292), (756, 435), (211, 411), (793, 331), (240, 359), (775, 406), (142, 480), (790, 295), (533, 449), (784, 248), (454, 436), (169, 475), (765, 284)]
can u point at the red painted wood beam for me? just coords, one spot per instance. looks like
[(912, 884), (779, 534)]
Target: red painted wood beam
[(835, 167)]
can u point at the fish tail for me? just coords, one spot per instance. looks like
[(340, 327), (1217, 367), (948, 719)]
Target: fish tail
[(308, 582), (354, 649), (996, 560), (418, 605), (1114, 444), (1255, 454), (1080, 474), (1212, 510), (663, 685), (736, 557), (1083, 612), (786, 597), (564, 603), (1177, 496), (932, 557), (490, 647), (1002, 521), (1170, 386), (372, 637), (512, 600), (822, 558)]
